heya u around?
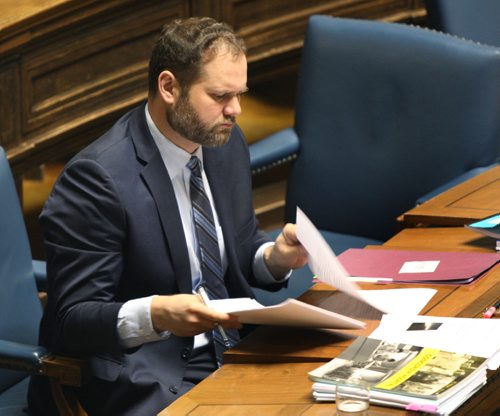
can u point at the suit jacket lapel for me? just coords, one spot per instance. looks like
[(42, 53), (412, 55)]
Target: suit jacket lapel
[(158, 182)]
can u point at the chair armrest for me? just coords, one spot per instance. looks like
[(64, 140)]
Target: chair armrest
[(35, 359), (454, 182), (40, 271), (65, 370), (21, 357), (274, 150)]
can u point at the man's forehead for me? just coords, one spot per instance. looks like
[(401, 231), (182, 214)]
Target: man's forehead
[(226, 71)]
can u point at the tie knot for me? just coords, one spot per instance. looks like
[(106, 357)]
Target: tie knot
[(194, 166)]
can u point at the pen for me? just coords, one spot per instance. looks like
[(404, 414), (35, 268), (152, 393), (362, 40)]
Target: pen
[(202, 294)]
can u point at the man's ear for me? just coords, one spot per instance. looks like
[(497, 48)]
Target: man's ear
[(168, 87)]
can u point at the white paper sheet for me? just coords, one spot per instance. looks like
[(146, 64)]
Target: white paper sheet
[(479, 337), (322, 261), (399, 301), (325, 265), (288, 313)]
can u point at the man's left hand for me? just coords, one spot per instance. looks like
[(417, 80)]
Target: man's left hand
[(287, 253)]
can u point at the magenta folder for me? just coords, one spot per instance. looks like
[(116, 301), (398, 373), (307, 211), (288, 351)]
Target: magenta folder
[(408, 266)]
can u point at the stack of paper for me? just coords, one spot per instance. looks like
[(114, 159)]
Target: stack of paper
[(403, 375), (479, 337), (426, 363)]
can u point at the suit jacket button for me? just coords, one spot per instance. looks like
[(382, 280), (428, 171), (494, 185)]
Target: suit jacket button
[(186, 353), (173, 389)]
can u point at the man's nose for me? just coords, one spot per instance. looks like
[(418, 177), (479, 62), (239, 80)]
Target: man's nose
[(233, 107)]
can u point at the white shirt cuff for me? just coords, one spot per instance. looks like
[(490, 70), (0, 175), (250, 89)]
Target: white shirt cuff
[(134, 323), (260, 270)]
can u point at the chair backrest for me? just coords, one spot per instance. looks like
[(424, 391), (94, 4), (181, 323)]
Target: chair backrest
[(20, 308), (477, 20), (385, 113)]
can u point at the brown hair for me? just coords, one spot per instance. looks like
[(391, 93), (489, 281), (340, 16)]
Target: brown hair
[(185, 44)]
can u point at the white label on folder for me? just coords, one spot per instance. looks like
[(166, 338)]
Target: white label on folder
[(419, 266)]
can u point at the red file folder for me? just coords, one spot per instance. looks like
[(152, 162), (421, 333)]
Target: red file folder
[(450, 267)]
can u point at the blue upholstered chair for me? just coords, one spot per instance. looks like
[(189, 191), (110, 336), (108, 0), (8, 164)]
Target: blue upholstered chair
[(384, 113), (475, 20), (20, 307)]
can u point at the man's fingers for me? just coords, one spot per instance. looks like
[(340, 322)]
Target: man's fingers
[(220, 317)]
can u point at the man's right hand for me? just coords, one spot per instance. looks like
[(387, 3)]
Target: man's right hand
[(185, 315)]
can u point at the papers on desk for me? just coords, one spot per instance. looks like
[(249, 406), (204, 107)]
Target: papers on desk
[(479, 337), (423, 363), (323, 262), (403, 375), (398, 301), (328, 269), (414, 362)]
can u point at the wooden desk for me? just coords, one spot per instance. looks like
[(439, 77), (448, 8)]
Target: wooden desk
[(283, 389), (477, 198), (257, 389), (267, 372), (274, 344)]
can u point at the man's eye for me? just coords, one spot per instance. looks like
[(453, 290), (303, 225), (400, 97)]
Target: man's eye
[(217, 97)]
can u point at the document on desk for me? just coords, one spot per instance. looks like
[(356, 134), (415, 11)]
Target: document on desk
[(291, 312), (327, 268), (418, 266), (480, 337)]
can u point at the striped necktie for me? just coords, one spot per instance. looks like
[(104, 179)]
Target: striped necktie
[(208, 251)]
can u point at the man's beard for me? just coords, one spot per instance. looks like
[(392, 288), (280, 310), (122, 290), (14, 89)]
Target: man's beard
[(184, 119)]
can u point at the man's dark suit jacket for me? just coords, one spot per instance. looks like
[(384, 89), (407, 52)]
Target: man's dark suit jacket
[(113, 232)]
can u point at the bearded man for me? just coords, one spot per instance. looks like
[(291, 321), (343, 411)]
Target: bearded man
[(155, 209)]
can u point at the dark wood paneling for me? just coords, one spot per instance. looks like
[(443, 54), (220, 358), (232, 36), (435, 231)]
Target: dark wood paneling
[(69, 69), (10, 104), (80, 70)]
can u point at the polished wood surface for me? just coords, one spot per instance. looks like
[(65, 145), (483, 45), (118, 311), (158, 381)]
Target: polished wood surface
[(266, 373), (257, 389), (472, 200), (69, 69), (442, 238)]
